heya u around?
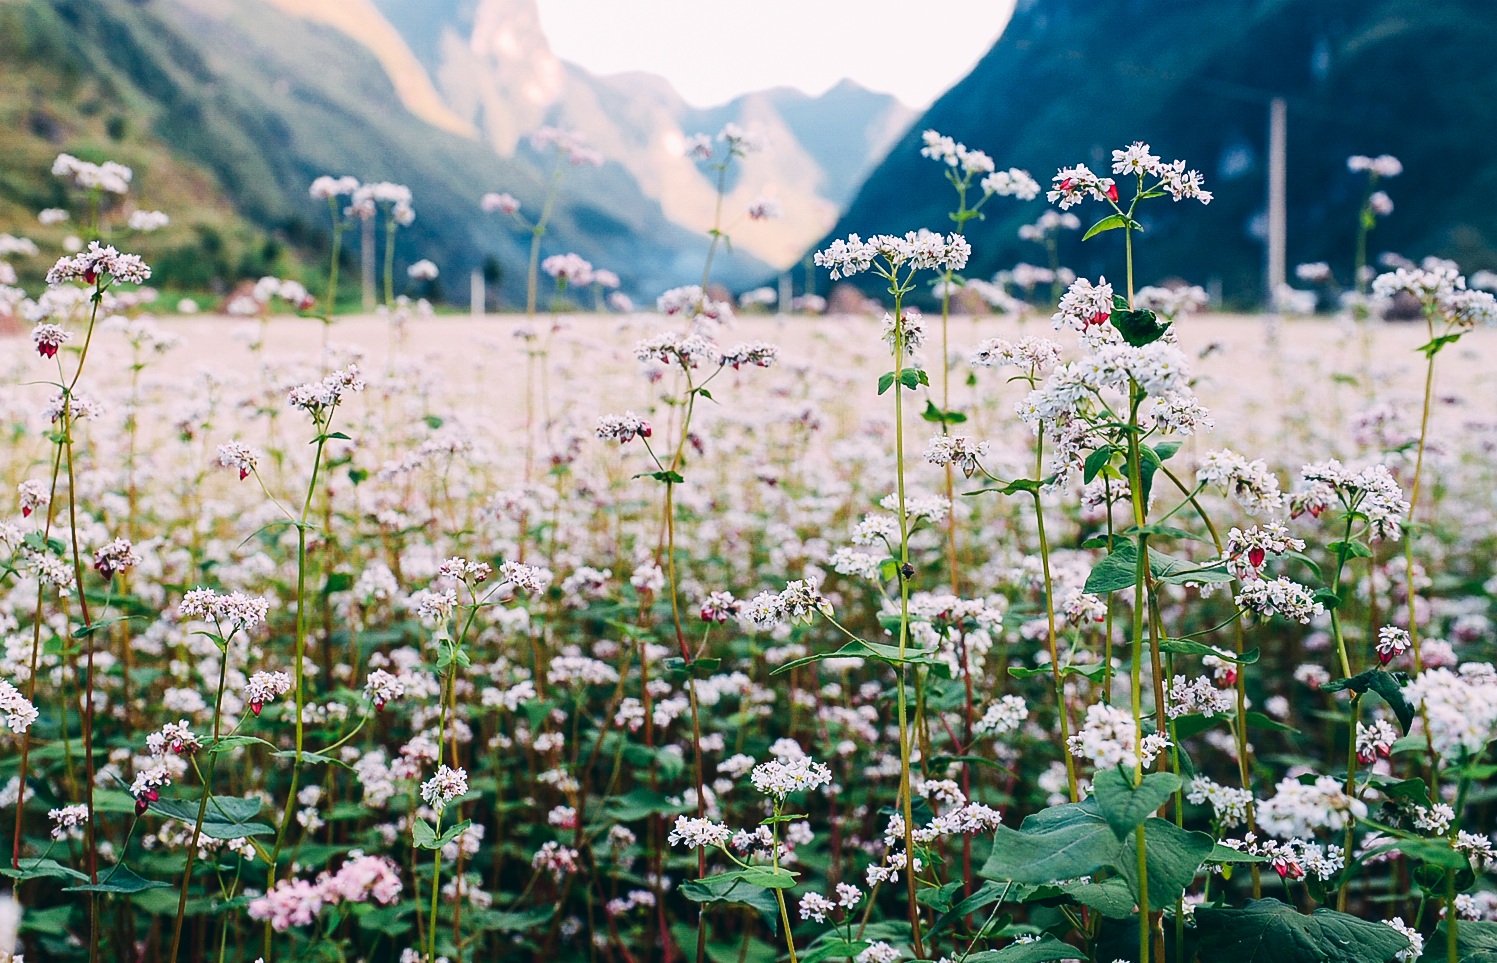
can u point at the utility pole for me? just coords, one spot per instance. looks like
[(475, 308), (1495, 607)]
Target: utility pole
[(366, 261), (1278, 230), (476, 304)]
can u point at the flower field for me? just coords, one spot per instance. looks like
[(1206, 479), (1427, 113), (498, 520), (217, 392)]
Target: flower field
[(1127, 633)]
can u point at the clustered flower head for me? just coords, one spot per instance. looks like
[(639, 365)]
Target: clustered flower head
[(505, 203), (317, 397), (1109, 738), (97, 262), (239, 456), (234, 611), (778, 778), (1247, 551), (108, 177), (622, 428), (1280, 596), (695, 833), (1030, 354), (115, 557), (264, 687), (383, 687), (448, 784), (297, 902), (1371, 490), (570, 269), (956, 450), (1384, 165), (18, 711), (48, 338), (921, 249), (799, 601)]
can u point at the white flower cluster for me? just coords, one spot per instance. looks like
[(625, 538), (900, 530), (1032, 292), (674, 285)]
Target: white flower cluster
[(1002, 717), (1298, 809), (1266, 598), (532, 578), (921, 249), (1013, 182), (1229, 805), (1178, 182), (233, 611), (1198, 696), (96, 262), (1029, 354), (108, 177), (18, 711), (622, 428), (1084, 305), (1384, 165), (696, 833), (569, 268), (691, 302), (239, 456), (1460, 706), (319, 396), (1109, 738), (778, 778), (1247, 551), (908, 331), (799, 601), (1371, 490), (957, 450), (264, 687), (1250, 483), (448, 784)]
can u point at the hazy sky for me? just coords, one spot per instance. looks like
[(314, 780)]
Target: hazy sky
[(712, 50)]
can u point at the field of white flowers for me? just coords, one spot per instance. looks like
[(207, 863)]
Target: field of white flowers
[(1128, 633)]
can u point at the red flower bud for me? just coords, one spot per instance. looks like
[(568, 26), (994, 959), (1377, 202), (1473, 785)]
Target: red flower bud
[(1068, 183), (255, 707), (1256, 556), (25, 511), (141, 806), (47, 349), (1112, 192)]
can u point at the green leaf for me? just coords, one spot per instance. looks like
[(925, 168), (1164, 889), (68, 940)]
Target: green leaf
[(1475, 942), (1109, 223), (1173, 857), (422, 834), (835, 948), (912, 378), (1385, 684), (1257, 720), (885, 381), (1117, 571), (228, 743), (769, 877), (1226, 854), (731, 888), (118, 879), (1166, 449), (313, 758), (1030, 485), (220, 809), (1192, 647), (932, 413), (1067, 843), (1040, 951), (639, 803), (1110, 897), (1431, 348), (1268, 931), (1095, 462), (1351, 549), (1124, 805), (39, 868), (1139, 328)]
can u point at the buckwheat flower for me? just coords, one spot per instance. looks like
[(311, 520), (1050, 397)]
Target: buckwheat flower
[(699, 833), (318, 396), (1375, 741), (957, 450), (18, 711), (361, 878), (1380, 203), (568, 269), (1108, 738), (908, 332), (234, 611), (327, 187), (1011, 183), (1298, 810), (1199, 696), (115, 557), (1028, 354), (77, 405), (422, 270), (147, 787), (147, 221), (34, 495), (1247, 551), (1229, 805), (764, 209), (499, 203), (622, 428), (647, 577), (239, 456), (1250, 483), (264, 687), (99, 261), (432, 607), (52, 215), (1266, 598), (1072, 185), (756, 353), (1391, 643), (1182, 184), (671, 347), (879, 952), (800, 601), (741, 141), (531, 578), (67, 818), (48, 338), (719, 607), (850, 561), (173, 737), (382, 687), (1135, 160), (778, 778), (292, 902), (1002, 717), (1416, 942), (1084, 305), (556, 859), (448, 784), (814, 906), (1460, 708)]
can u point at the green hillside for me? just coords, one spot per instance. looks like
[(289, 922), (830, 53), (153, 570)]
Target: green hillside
[(227, 109), (1072, 79)]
